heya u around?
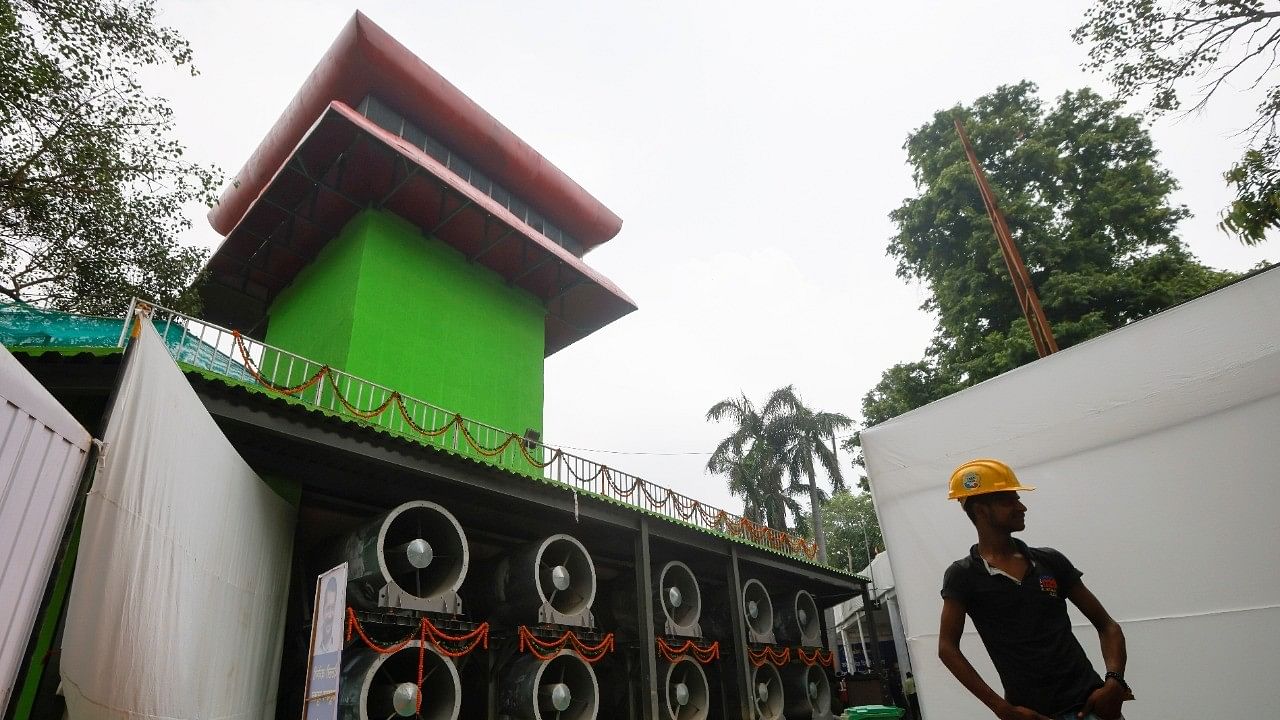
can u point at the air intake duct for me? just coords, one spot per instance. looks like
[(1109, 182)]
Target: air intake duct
[(562, 688), (554, 578), (767, 694), (808, 692), (757, 608), (680, 599), (413, 557), (385, 687), (798, 619), (686, 694)]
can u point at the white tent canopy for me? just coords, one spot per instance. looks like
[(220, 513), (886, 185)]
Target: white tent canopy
[(177, 607), (1155, 450)]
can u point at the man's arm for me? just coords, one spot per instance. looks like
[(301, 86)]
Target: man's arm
[(949, 632), (1106, 700)]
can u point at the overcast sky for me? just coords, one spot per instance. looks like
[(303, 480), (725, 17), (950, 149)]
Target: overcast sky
[(753, 150)]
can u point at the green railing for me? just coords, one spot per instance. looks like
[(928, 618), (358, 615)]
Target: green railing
[(225, 352)]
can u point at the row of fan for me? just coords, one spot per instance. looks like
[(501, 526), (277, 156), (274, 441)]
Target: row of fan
[(416, 557), (385, 686)]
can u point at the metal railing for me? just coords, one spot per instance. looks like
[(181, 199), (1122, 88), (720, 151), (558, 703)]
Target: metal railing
[(228, 353)]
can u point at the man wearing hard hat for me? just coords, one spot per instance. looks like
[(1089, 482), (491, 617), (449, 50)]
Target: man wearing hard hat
[(1017, 597)]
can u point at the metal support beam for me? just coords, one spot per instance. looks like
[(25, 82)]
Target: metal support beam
[(493, 244), (644, 609), (532, 268), (738, 623), (409, 174), (877, 662), (299, 167), (564, 289), (445, 221)]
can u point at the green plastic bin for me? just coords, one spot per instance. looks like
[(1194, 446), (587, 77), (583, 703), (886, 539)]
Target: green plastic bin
[(873, 712)]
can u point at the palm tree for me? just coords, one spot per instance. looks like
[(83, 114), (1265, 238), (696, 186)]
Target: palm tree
[(751, 457), (811, 435)]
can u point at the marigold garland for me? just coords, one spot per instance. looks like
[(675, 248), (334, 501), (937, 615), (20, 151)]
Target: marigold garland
[(719, 521), (701, 654), (816, 658), (769, 654), (426, 632), (590, 653)]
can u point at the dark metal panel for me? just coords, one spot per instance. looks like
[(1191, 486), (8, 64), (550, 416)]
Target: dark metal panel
[(741, 666), (644, 610), (318, 440), (869, 609)]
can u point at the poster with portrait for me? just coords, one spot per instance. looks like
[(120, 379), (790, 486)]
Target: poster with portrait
[(325, 658)]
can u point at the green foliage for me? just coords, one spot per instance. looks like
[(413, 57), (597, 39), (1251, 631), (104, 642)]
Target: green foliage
[(1167, 52), (1088, 205), (769, 457), (751, 459), (852, 530), (810, 436), (92, 187)]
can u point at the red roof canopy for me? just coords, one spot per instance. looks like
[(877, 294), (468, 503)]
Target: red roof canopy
[(345, 164), (365, 60)]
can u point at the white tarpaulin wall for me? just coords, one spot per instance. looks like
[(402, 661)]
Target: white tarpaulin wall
[(177, 607), (42, 456), (1156, 449)]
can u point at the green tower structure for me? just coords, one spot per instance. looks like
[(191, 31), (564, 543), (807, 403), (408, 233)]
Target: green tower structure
[(390, 228)]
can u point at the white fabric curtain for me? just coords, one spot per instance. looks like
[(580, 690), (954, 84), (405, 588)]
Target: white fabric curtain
[(177, 606), (1154, 449)]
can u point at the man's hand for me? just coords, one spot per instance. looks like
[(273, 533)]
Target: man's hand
[(1017, 712), (1105, 701)]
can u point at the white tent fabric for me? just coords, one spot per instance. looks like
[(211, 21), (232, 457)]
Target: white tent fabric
[(177, 607), (42, 456), (1155, 449)]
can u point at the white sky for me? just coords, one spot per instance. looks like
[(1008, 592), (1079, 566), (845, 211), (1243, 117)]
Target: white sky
[(753, 150)]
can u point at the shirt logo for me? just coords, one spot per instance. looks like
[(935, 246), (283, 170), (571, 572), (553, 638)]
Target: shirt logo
[(1049, 585), (971, 480)]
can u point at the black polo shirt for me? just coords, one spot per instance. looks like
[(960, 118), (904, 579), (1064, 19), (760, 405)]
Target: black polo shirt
[(1025, 627)]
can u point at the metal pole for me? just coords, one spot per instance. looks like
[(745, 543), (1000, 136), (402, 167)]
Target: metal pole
[(644, 605), (1028, 300), (862, 639), (739, 624)]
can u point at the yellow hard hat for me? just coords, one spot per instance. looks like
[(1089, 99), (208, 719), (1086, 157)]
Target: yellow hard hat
[(982, 476)]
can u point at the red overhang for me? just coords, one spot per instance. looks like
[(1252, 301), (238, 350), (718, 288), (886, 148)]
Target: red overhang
[(365, 60), (345, 164)]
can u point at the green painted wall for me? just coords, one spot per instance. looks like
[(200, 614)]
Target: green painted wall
[(385, 303), (313, 317)]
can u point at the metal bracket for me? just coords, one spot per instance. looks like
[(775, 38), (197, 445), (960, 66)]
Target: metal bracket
[(690, 631), (392, 596), (547, 614)]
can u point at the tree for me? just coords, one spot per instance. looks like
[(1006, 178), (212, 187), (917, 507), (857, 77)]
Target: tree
[(1169, 52), (1089, 207), (852, 530), (92, 188), (751, 458), (903, 387), (810, 436)]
